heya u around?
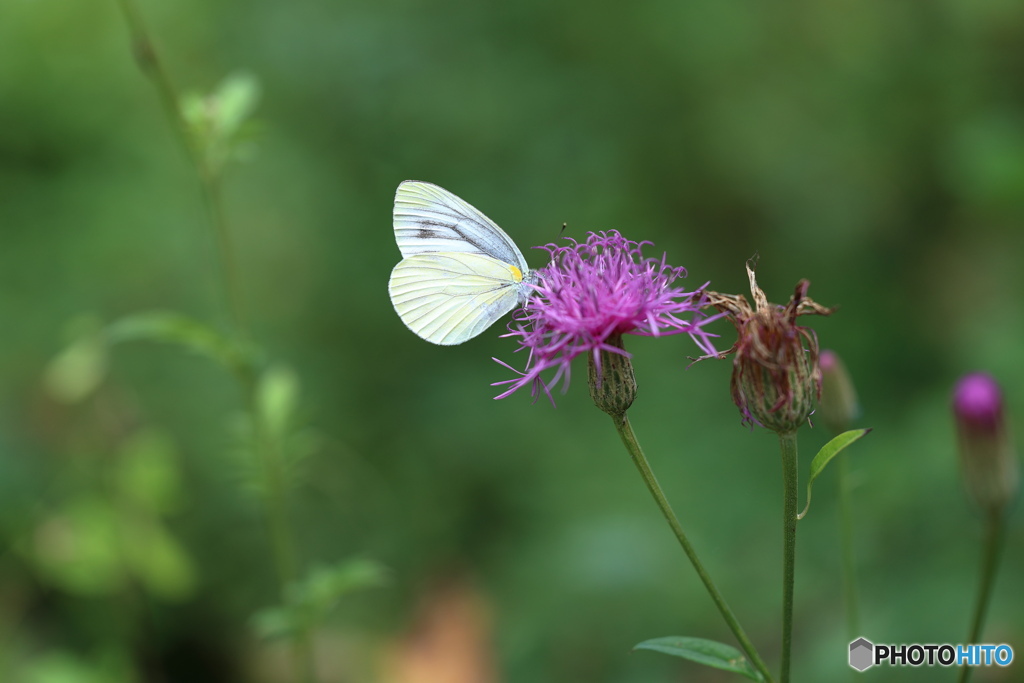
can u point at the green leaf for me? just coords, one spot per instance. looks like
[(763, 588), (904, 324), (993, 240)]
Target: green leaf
[(322, 588), (77, 370), (173, 328), (219, 124), (59, 666), (156, 559), (274, 622), (824, 457), (147, 473), (278, 394), (315, 596), (706, 652), (78, 550), (234, 102)]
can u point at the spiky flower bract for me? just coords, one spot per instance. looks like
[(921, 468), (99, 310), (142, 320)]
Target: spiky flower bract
[(589, 296)]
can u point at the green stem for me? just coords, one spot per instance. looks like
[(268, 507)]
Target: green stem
[(846, 543), (215, 205), (275, 499), (990, 551), (629, 440), (276, 511), (149, 63), (790, 484)]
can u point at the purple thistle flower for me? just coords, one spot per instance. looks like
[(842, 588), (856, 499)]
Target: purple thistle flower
[(588, 296)]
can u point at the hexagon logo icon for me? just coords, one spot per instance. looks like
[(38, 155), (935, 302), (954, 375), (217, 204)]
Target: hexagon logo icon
[(861, 654)]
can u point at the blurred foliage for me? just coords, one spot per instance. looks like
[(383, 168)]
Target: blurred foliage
[(875, 148)]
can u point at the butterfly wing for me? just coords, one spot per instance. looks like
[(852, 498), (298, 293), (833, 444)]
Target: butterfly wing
[(430, 219), (448, 298)]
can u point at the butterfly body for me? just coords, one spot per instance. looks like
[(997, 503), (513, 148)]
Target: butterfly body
[(460, 272)]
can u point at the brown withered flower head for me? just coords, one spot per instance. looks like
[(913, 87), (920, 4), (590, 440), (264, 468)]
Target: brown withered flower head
[(776, 381)]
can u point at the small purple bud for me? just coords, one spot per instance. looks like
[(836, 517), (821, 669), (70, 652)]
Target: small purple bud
[(986, 452), (978, 402)]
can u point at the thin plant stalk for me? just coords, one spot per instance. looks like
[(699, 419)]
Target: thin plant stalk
[(787, 446), (212, 194), (276, 512), (846, 548), (636, 453), (271, 462), (991, 548), (151, 66)]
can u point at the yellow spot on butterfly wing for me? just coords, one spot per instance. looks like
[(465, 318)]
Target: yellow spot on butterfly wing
[(517, 275)]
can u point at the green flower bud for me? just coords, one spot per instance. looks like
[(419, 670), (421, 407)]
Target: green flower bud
[(613, 384)]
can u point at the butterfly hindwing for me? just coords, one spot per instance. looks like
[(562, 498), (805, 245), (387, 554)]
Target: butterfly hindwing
[(448, 298)]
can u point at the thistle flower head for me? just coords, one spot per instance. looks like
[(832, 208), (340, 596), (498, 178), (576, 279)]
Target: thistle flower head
[(986, 452), (775, 377), (588, 296)]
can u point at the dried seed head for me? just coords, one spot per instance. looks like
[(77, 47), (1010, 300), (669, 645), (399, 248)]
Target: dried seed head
[(775, 380)]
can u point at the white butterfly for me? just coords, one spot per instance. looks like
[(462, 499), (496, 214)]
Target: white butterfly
[(461, 272)]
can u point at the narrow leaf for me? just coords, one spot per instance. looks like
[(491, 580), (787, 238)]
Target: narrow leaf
[(174, 328), (825, 456), (706, 652)]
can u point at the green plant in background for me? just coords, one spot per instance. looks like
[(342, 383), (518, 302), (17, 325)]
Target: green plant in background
[(108, 533), (98, 541)]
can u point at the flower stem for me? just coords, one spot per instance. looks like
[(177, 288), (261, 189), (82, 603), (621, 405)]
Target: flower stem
[(629, 441), (990, 551), (787, 445), (846, 545)]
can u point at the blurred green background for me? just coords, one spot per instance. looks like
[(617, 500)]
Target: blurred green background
[(874, 147)]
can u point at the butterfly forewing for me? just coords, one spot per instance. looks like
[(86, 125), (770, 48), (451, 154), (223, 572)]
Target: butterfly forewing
[(429, 219)]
